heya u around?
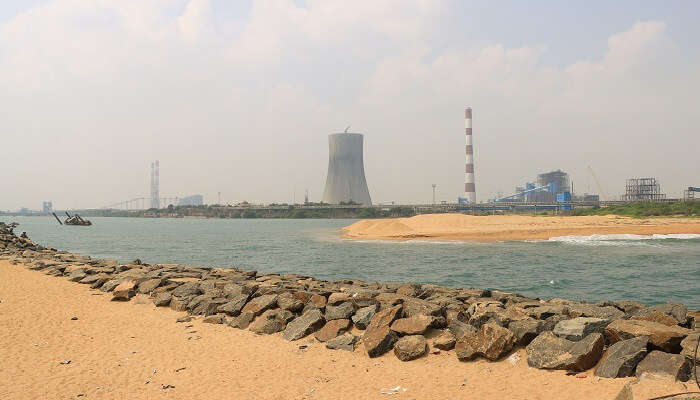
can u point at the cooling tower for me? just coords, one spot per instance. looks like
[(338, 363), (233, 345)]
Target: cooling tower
[(346, 172)]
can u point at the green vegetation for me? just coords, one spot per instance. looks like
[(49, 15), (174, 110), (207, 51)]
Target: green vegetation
[(644, 209)]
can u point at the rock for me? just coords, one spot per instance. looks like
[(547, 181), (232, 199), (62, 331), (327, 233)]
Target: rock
[(150, 285), (663, 337), (269, 322), (260, 304), (304, 325), (345, 341), (332, 329), (413, 306), (415, 325), (577, 328), (445, 341), (656, 316), (124, 291), (205, 305), (676, 310), (110, 285), (287, 302), (379, 340), (590, 310), (628, 306), (243, 320), (491, 341), (214, 319), (459, 328), (234, 306), (525, 330), (187, 289), (232, 290), (363, 316), (549, 351), (317, 301), (184, 318), (660, 363), (688, 344), (546, 311), (622, 358), (336, 299), (77, 275), (384, 318), (410, 347), (497, 314), (162, 299), (341, 311), (178, 303)]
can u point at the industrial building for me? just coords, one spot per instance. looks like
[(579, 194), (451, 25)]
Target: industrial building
[(47, 206), (643, 189), (346, 181), (193, 200)]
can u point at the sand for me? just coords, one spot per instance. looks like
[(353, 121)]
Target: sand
[(130, 350), (512, 227)]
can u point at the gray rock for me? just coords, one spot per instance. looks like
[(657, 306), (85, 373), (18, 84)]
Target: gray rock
[(546, 311), (214, 319), (259, 304), (77, 275), (525, 330), (660, 363), (410, 347), (304, 325), (459, 328), (110, 285), (662, 337), (341, 311), (676, 310), (150, 285), (622, 358), (287, 302), (491, 341), (234, 306), (124, 291), (590, 310), (345, 341), (269, 322), (549, 351), (363, 316), (242, 321), (577, 328), (187, 289), (688, 344), (445, 341)]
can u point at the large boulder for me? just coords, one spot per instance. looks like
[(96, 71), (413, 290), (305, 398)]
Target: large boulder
[(287, 301), (459, 328), (332, 329), (590, 310), (413, 306), (445, 341), (345, 341), (363, 316), (384, 318), (260, 304), (270, 321), (415, 325), (242, 321), (656, 316), (677, 311), (660, 363), (525, 330), (234, 306), (304, 325), (499, 315), (548, 310), (410, 347), (150, 285), (77, 275), (187, 289), (341, 311), (162, 299), (124, 291), (621, 358), (577, 328), (549, 351), (378, 341), (491, 341), (663, 337)]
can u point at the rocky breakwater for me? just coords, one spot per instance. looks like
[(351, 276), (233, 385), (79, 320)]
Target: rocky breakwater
[(617, 339)]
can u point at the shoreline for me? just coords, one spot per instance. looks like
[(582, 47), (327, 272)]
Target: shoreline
[(460, 227), (474, 342)]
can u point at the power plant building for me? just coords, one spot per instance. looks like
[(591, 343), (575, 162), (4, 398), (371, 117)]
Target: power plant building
[(346, 181), (194, 200)]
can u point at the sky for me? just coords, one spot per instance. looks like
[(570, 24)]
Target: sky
[(239, 97)]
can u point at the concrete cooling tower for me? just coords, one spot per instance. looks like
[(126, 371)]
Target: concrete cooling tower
[(346, 172)]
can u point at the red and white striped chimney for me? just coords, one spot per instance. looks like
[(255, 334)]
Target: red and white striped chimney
[(469, 188)]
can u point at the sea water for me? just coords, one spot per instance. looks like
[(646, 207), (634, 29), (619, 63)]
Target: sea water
[(647, 268)]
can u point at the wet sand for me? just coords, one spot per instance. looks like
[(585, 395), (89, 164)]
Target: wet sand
[(512, 227), (131, 350)]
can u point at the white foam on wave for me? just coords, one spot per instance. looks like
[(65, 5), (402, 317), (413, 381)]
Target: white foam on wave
[(620, 239)]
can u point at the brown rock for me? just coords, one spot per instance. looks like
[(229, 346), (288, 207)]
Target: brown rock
[(332, 329), (549, 351), (243, 320), (269, 322), (124, 291), (688, 344), (446, 341), (410, 347), (378, 341), (663, 337), (162, 299), (491, 341), (337, 298), (150, 285), (260, 304), (178, 303), (384, 318), (415, 325), (317, 300), (214, 319), (657, 316)]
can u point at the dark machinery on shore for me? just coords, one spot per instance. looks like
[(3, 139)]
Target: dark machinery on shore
[(73, 220)]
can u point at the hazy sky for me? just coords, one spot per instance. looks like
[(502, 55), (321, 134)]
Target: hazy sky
[(238, 97)]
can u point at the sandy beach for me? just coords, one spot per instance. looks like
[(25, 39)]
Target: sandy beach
[(512, 227), (132, 350)]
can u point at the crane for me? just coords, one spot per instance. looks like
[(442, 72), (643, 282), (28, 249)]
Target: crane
[(597, 183)]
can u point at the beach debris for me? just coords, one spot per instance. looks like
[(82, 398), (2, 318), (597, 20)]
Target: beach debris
[(147, 382), (65, 362), (74, 319), (303, 347), (165, 387), (514, 359), (394, 390), (410, 347), (180, 369)]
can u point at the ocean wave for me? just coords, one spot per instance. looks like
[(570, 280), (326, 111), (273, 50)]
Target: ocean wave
[(621, 239)]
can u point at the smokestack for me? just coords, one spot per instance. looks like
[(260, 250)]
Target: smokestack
[(346, 172), (469, 188), (155, 185)]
